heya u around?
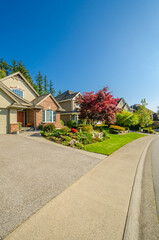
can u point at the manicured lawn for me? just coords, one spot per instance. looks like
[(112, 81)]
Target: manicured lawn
[(115, 142)]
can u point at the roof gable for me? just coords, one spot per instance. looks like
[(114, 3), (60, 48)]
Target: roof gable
[(21, 77), (68, 95)]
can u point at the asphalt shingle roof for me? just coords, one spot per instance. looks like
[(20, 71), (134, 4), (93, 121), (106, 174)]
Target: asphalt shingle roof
[(66, 96)]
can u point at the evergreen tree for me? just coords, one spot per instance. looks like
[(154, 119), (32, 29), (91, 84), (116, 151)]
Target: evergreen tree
[(39, 83), (5, 66), (2, 73), (45, 85), (51, 90), (19, 66), (59, 93)]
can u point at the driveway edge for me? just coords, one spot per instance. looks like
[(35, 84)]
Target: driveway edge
[(131, 230)]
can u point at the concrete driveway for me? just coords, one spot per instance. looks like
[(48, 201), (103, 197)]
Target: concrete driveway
[(33, 171)]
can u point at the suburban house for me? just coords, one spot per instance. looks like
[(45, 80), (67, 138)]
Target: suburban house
[(19, 102), (67, 101), (123, 105)]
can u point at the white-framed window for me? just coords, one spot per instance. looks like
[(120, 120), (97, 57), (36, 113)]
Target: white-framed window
[(18, 92), (77, 105), (48, 116)]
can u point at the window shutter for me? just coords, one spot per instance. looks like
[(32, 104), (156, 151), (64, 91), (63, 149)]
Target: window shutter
[(54, 116)]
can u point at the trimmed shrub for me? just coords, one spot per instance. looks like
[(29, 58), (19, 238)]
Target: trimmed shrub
[(65, 130), (19, 126), (62, 122), (113, 131), (118, 128), (49, 127), (71, 124), (151, 131), (88, 128)]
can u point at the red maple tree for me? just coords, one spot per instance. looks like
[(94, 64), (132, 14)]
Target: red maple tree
[(100, 106)]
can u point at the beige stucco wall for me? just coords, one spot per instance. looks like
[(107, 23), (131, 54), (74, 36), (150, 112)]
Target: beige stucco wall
[(13, 116), (3, 121), (17, 81), (5, 101)]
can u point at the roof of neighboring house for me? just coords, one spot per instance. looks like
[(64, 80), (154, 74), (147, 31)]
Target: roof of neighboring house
[(68, 95), (136, 106), (39, 99)]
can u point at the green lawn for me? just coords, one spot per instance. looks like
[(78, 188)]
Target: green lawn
[(115, 142)]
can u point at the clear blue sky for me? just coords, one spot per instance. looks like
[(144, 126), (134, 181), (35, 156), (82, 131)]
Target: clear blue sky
[(84, 45)]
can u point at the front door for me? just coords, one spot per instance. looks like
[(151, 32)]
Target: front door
[(20, 117)]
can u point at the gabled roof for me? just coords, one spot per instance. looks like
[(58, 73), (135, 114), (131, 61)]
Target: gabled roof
[(17, 99), (26, 81), (68, 95), (39, 99)]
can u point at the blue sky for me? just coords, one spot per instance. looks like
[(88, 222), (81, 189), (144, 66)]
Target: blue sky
[(84, 45)]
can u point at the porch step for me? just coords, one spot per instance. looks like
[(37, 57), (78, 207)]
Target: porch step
[(24, 129)]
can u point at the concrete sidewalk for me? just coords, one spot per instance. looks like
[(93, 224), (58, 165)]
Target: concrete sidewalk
[(93, 208)]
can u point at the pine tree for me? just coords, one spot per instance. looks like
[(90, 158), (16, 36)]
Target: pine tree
[(52, 90), (45, 85), (19, 66), (59, 93), (39, 83), (5, 66)]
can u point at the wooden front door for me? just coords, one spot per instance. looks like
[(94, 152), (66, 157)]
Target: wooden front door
[(20, 117)]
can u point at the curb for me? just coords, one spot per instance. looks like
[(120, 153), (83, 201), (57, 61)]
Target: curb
[(131, 230)]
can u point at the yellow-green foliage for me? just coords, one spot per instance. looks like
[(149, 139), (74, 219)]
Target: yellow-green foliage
[(118, 128), (88, 128)]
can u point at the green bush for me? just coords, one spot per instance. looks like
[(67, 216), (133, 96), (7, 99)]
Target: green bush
[(19, 126), (41, 127), (49, 127), (71, 124), (65, 130), (105, 135), (65, 143), (113, 131), (42, 133), (67, 138), (84, 137), (56, 133), (88, 128), (79, 145), (62, 122)]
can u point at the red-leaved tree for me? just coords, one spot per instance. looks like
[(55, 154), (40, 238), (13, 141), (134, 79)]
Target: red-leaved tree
[(100, 106)]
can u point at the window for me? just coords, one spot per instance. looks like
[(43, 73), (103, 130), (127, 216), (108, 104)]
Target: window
[(18, 92), (77, 105), (48, 116)]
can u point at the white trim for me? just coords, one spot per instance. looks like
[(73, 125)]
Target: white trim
[(45, 116), (77, 95)]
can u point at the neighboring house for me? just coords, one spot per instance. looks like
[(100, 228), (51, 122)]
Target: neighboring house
[(67, 101), (123, 105), (19, 102)]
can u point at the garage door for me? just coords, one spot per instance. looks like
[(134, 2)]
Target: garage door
[(3, 121)]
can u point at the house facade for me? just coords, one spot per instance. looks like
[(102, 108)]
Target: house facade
[(19, 102), (67, 101)]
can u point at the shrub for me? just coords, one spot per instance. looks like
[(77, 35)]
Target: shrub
[(56, 133), (65, 143), (42, 133), (146, 130), (113, 131), (62, 122), (88, 128), (49, 127), (68, 139), (19, 126), (118, 128), (65, 130), (151, 131), (41, 127), (79, 145), (73, 130), (105, 135), (71, 124), (85, 138)]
